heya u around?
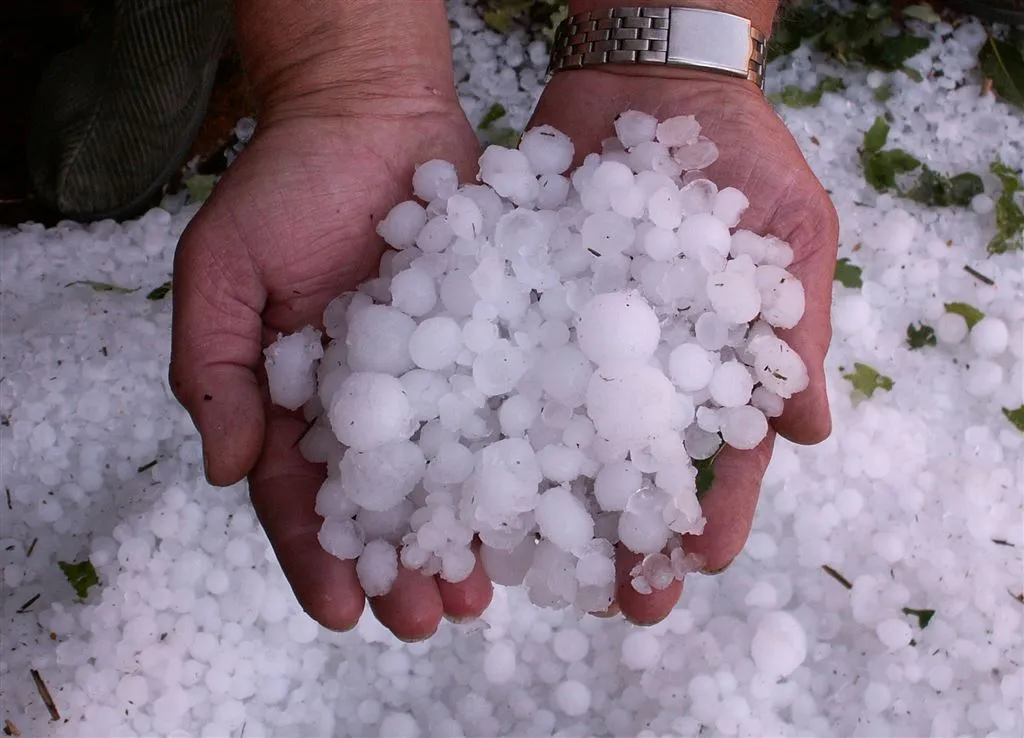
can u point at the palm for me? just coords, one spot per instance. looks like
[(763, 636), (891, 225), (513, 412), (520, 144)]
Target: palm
[(758, 156), (291, 226)]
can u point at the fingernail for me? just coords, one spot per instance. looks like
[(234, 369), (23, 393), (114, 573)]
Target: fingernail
[(460, 621), (414, 640), (719, 570)]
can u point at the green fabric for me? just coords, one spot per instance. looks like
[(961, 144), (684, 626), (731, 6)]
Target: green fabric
[(114, 118)]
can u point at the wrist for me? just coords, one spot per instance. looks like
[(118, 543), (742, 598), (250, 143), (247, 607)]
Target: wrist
[(346, 58), (761, 13)]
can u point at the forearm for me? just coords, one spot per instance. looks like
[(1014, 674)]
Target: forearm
[(761, 13), (344, 50)]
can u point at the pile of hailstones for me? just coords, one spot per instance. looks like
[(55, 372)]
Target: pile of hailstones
[(539, 363)]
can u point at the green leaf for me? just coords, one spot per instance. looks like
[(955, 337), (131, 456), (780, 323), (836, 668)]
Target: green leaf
[(159, 293), (877, 135), (891, 53), (848, 274), (507, 137), (938, 190), (912, 73), (793, 26), (493, 115), (104, 287), (705, 472), (923, 13), (882, 167), (919, 337), (866, 380), (969, 313), (80, 575), (965, 187), (551, 27), (883, 92), (1009, 217), (200, 186), (1003, 63), (795, 97), (923, 616), (1016, 417)]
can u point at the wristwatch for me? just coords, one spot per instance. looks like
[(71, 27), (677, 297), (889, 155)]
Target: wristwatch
[(668, 36)]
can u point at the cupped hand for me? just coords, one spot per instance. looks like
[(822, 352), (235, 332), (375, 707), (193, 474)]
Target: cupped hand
[(289, 227), (759, 157)]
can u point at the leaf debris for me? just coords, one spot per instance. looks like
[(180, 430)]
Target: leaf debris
[(705, 472), (200, 186), (867, 380), (44, 693), (31, 601), (919, 337), (793, 96), (968, 312), (837, 576), (1002, 62), (103, 286), (848, 274), (1016, 417), (923, 616), (159, 293), (1009, 216), (81, 575), (979, 276)]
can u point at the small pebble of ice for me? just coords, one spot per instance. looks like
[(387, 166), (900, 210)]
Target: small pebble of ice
[(500, 662), (377, 568), (779, 644), (291, 367)]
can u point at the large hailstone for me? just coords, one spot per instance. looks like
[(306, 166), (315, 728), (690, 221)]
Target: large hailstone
[(370, 410), (618, 327)]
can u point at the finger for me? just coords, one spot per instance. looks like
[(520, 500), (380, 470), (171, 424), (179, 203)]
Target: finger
[(806, 417), (466, 600), (215, 346), (729, 505), (283, 488), (412, 609), (641, 609)]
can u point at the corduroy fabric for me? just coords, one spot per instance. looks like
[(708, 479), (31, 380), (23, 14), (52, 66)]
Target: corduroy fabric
[(114, 118)]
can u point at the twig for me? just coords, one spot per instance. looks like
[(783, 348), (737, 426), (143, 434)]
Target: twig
[(146, 467), (837, 576), (9, 505), (305, 433), (24, 608), (978, 275), (31, 547), (44, 692)]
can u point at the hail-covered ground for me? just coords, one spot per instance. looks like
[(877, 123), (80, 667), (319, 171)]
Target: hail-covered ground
[(879, 593)]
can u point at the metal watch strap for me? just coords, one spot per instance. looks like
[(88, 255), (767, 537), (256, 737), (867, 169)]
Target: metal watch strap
[(666, 36)]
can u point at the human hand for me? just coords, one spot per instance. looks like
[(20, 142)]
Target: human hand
[(759, 157), (290, 227)]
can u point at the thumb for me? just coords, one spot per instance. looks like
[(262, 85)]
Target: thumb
[(215, 346)]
